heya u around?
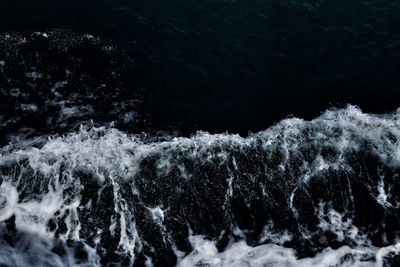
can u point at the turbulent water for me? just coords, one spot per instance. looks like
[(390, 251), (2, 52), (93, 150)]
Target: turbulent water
[(301, 193), (102, 163)]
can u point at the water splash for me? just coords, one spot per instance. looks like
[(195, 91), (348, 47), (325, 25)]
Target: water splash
[(301, 193)]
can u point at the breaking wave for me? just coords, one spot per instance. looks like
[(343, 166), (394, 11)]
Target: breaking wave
[(323, 192)]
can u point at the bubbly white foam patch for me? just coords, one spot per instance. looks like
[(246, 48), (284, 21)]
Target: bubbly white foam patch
[(239, 254), (8, 200), (116, 156), (33, 245)]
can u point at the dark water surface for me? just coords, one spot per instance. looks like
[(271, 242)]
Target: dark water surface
[(200, 133), (239, 65)]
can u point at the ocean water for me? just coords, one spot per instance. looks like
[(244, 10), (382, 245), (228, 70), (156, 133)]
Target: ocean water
[(199, 133)]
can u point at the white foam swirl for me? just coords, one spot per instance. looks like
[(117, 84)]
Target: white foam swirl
[(113, 156)]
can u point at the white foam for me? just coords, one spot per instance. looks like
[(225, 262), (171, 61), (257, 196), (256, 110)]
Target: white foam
[(8, 200), (239, 254), (115, 156)]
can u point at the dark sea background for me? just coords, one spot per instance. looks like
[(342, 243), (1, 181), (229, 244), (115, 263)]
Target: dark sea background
[(238, 66), (200, 133)]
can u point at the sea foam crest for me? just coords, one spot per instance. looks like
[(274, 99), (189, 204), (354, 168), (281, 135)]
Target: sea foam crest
[(58, 192)]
